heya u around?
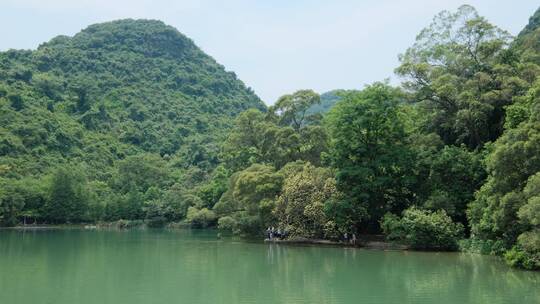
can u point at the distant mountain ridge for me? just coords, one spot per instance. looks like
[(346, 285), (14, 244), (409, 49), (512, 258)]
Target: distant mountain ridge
[(532, 25), (328, 100)]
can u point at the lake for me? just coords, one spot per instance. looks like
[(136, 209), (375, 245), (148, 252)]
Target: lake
[(194, 266)]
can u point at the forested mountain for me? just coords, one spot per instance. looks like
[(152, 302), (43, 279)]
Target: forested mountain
[(114, 91)]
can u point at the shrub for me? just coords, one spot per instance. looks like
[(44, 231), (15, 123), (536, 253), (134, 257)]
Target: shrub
[(475, 245), (226, 223), (526, 254), (200, 218), (423, 229), (517, 257)]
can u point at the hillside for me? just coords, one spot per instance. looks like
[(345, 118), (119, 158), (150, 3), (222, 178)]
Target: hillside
[(114, 89), (532, 25), (95, 125), (528, 40)]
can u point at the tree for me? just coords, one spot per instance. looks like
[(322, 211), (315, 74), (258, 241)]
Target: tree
[(200, 218), (503, 209), (300, 207), (368, 148), (462, 73), (526, 252), (11, 203), (21, 200), (177, 199), (248, 142), (100, 197), (48, 85), (292, 110), (447, 178), (250, 198), (157, 212), (313, 144), (17, 102), (259, 138), (83, 87), (140, 172), (67, 196), (212, 191)]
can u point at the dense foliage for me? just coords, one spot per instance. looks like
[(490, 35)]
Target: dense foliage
[(506, 208), (451, 153), (105, 124), (368, 146), (423, 229), (129, 120), (463, 72)]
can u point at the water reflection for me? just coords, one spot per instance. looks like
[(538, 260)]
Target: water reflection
[(196, 267)]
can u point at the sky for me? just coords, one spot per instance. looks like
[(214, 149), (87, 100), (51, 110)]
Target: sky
[(275, 46)]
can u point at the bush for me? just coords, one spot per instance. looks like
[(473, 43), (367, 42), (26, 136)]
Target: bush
[(241, 223), (475, 245), (226, 223), (423, 229), (526, 254), (517, 257), (248, 225), (200, 218)]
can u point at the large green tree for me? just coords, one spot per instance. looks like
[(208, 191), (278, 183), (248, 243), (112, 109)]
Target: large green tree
[(447, 176), (250, 199), (300, 207), (274, 138), (368, 146), (11, 203), (463, 74), (293, 109), (67, 196)]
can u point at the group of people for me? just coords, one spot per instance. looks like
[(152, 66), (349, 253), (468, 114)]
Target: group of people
[(272, 233), (349, 238)]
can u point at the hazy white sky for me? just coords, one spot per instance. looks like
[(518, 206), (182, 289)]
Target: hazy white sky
[(274, 46)]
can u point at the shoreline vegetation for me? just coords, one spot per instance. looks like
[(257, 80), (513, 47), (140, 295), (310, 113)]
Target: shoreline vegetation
[(129, 123)]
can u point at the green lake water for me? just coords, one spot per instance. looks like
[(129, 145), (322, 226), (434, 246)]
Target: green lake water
[(157, 266)]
